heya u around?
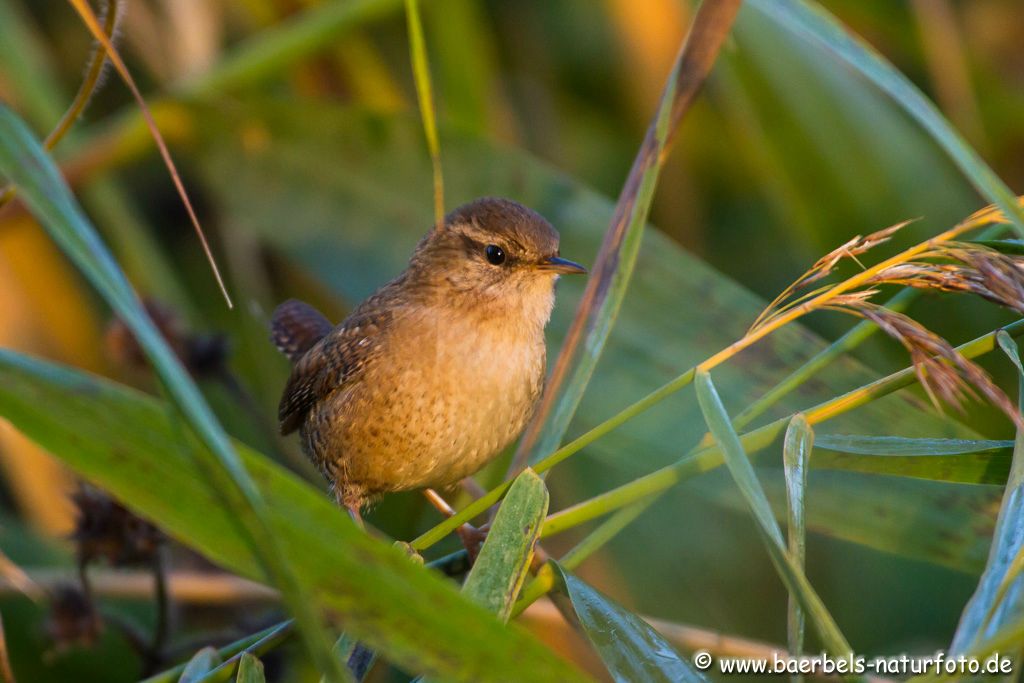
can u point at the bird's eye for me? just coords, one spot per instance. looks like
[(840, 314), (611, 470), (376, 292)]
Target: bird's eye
[(495, 254)]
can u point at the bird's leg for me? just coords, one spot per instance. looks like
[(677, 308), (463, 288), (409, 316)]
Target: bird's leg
[(356, 516), (350, 507), (472, 537)]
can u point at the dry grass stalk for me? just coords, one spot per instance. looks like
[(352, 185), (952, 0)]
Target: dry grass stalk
[(824, 267), (946, 375), (942, 264)]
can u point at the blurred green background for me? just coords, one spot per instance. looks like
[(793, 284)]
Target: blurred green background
[(312, 178)]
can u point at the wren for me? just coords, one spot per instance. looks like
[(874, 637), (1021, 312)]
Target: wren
[(439, 370)]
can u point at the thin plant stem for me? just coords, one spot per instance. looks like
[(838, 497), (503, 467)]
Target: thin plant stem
[(425, 94), (93, 75), (89, 18), (163, 602)]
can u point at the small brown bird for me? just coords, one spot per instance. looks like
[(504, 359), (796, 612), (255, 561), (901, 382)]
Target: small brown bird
[(436, 372)]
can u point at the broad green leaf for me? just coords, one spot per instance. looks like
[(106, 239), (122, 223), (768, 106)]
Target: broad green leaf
[(809, 21), (796, 452), (250, 670), (999, 598), (44, 191), (629, 647), (127, 443), (742, 472), (201, 663), (499, 570)]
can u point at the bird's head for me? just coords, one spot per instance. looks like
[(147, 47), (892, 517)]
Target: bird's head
[(494, 252)]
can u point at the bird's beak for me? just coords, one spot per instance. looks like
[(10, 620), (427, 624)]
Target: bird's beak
[(561, 265)]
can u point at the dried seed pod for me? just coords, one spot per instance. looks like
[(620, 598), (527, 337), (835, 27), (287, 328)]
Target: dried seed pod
[(73, 620), (106, 529), (946, 375)]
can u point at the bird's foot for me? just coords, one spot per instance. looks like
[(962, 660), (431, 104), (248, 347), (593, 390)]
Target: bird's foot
[(473, 539)]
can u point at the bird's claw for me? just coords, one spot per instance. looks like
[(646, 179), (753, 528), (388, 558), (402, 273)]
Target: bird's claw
[(473, 539)]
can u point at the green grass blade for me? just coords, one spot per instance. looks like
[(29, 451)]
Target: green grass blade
[(859, 444), (743, 474), (498, 573), (202, 662), (257, 643), (796, 454), (129, 444), (629, 647), (24, 162), (425, 95), (962, 461), (616, 259), (987, 468), (811, 22), (250, 670), (999, 597)]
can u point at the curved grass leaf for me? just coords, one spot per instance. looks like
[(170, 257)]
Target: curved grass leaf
[(250, 670), (202, 662), (963, 461), (811, 22), (860, 444), (986, 468), (263, 643), (28, 167), (498, 573), (999, 598), (757, 502), (629, 647), (257, 643), (127, 443), (796, 452)]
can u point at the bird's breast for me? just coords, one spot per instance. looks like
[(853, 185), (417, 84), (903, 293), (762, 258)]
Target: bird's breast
[(450, 396)]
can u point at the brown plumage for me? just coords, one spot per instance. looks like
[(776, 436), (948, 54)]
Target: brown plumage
[(436, 372)]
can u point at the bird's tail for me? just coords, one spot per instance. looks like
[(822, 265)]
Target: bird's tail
[(296, 327)]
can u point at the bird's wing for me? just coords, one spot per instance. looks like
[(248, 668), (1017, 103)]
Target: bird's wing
[(296, 327), (337, 359)]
